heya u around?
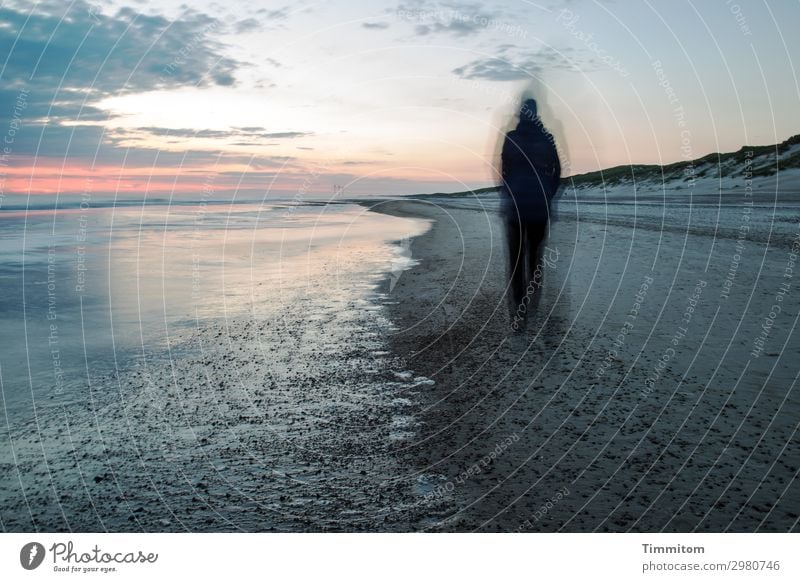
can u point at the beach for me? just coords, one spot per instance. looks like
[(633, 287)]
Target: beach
[(357, 367), (631, 401), (215, 367)]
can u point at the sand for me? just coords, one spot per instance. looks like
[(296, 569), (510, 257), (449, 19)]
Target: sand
[(277, 407), (559, 428), (419, 408)]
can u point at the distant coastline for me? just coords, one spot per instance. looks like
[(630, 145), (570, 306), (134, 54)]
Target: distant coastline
[(713, 172)]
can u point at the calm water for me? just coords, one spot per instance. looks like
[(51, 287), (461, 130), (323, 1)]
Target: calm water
[(85, 291)]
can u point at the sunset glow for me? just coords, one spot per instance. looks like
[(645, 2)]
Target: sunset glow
[(387, 97)]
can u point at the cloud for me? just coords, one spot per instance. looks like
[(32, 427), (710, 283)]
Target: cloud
[(263, 133), (128, 52), (279, 14), (247, 25), (68, 57), (165, 131), (284, 134), (497, 69), (458, 19), (264, 19), (251, 133), (512, 65)]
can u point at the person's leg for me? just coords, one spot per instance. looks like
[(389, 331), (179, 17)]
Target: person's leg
[(516, 264), (536, 233)]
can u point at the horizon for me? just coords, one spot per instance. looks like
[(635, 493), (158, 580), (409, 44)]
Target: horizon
[(393, 98), (111, 199)]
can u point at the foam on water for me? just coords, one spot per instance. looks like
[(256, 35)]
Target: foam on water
[(100, 286)]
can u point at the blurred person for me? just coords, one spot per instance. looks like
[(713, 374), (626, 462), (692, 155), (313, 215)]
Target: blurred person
[(531, 174)]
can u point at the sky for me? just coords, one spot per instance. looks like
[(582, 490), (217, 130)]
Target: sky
[(263, 99)]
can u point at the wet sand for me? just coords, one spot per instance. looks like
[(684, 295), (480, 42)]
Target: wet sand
[(573, 424), (277, 407), (404, 401), (231, 439)]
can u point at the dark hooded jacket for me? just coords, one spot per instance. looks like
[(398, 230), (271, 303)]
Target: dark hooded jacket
[(531, 171)]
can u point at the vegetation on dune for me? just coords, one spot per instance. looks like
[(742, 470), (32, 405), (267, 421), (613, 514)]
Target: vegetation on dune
[(765, 161)]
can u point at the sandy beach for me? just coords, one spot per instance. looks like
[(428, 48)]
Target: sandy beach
[(233, 374), (631, 402), (346, 370)]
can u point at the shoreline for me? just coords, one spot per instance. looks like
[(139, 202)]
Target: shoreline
[(636, 446), (282, 411), (405, 401)]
